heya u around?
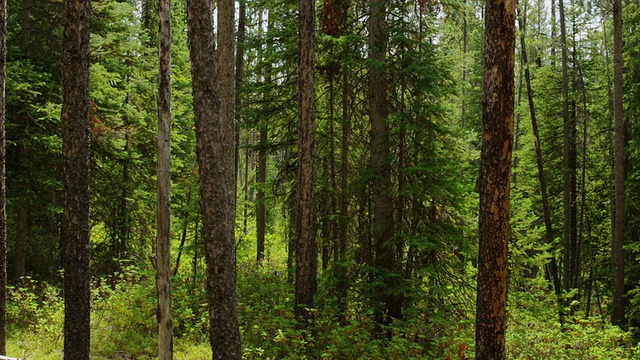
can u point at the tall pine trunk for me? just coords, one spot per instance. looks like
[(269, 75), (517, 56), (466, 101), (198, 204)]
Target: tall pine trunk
[(216, 156), (3, 192), (163, 224), (494, 182), (617, 250), (75, 232), (383, 225), (569, 175), (306, 252)]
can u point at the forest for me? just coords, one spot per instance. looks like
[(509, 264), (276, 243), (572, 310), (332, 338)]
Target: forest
[(331, 179)]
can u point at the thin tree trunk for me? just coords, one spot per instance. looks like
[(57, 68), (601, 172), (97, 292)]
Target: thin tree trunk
[(306, 254), (342, 267), (75, 232), (215, 147), (546, 209), (22, 222), (261, 209), (240, 50), (163, 224), (617, 250), (494, 182), (568, 165), (3, 190)]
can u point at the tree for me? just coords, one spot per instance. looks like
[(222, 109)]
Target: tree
[(216, 163), (163, 224), (306, 252), (383, 226), (494, 182), (3, 192), (569, 237), (617, 249), (75, 232)]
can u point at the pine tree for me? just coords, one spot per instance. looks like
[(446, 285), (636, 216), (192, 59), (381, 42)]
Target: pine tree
[(76, 159), (494, 182)]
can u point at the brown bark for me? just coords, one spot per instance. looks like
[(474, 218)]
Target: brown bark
[(215, 147), (617, 250), (239, 75), (306, 251), (261, 209), (494, 182), (3, 190), (383, 225), (163, 223), (569, 169), (22, 222), (76, 160)]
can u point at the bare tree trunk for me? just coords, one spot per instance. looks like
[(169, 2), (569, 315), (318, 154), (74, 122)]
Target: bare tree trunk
[(569, 227), (163, 224), (3, 190), (383, 224), (75, 232), (216, 155), (22, 221), (306, 252), (617, 250), (261, 209), (494, 182), (239, 74)]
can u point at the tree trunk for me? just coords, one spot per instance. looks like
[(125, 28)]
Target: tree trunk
[(617, 250), (3, 192), (306, 252), (22, 221), (215, 147), (163, 224), (494, 182), (239, 75), (569, 226), (261, 178), (75, 232), (261, 209), (383, 225)]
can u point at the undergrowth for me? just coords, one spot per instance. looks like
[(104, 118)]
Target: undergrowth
[(123, 324)]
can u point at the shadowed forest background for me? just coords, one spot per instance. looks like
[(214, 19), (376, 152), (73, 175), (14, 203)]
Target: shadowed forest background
[(396, 156)]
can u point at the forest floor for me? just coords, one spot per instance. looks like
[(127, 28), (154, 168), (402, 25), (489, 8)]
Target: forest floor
[(123, 324)]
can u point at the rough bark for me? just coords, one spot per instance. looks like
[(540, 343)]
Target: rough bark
[(569, 167), (215, 147), (383, 226), (163, 224), (239, 75), (617, 250), (306, 251), (76, 160), (22, 224), (494, 182), (261, 209), (3, 190), (22, 221)]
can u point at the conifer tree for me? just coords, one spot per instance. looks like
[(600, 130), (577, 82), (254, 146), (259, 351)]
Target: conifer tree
[(495, 180), (75, 230)]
